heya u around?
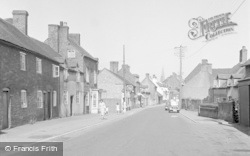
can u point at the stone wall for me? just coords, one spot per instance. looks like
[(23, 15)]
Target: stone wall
[(225, 111)]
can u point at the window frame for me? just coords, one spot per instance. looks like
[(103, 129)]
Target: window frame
[(38, 65), (23, 61), (54, 98), (55, 70), (39, 99), (24, 103), (87, 75)]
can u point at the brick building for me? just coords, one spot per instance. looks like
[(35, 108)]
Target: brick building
[(68, 45), (29, 80), (112, 85)]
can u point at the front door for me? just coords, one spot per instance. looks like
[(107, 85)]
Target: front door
[(49, 105), (71, 105), (44, 105), (5, 109)]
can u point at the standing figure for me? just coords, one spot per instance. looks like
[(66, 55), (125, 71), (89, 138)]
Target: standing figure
[(102, 108), (117, 108)]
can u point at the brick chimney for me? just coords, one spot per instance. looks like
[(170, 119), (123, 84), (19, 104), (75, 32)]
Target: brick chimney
[(53, 37), (204, 61), (126, 67), (114, 66), (20, 20), (147, 75), (76, 38), (243, 55), (207, 67)]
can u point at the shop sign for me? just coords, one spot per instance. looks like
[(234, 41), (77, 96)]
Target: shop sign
[(211, 28)]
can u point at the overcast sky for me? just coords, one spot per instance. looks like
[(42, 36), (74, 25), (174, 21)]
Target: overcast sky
[(150, 29)]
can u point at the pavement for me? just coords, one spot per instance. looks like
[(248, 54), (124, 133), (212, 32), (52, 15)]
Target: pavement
[(43, 131), (193, 116), (50, 129)]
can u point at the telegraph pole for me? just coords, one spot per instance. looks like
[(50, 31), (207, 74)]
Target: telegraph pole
[(124, 83), (180, 53)]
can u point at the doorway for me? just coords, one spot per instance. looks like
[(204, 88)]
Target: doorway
[(5, 123), (48, 105), (71, 105)]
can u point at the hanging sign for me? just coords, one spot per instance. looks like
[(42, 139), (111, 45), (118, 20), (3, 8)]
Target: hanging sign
[(211, 28)]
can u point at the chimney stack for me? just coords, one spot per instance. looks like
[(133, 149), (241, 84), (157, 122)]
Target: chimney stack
[(76, 38), (114, 66), (147, 75), (204, 61), (20, 20), (53, 36), (243, 55)]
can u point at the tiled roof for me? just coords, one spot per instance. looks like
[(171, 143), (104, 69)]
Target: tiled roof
[(118, 76), (223, 76), (215, 72), (193, 73), (11, 34), (81, 50), (236, 76), (129, 76)]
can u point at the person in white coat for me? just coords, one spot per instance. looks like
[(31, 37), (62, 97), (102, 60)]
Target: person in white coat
[(102, 107)]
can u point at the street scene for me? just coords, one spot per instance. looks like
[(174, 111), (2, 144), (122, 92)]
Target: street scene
[(119, 78)]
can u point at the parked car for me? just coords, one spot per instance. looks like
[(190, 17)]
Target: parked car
[(174, 107), (167, 105)]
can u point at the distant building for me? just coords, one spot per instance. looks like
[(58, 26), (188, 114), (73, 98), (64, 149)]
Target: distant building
[(111, 83), (155, 95), (29, 75), (206, 82)]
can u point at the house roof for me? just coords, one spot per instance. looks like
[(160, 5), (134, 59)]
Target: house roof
[(193, 73), (223, 76), (118, 76), (236, 76), (11, 34), (128, 75), (81, 50)]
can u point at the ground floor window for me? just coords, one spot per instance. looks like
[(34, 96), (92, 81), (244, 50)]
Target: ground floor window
[(24, 99), (54, 98)]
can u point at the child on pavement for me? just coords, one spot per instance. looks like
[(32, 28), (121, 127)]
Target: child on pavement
[(117, 108)]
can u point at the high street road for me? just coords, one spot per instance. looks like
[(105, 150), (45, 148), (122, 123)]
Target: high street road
[(153, 132)]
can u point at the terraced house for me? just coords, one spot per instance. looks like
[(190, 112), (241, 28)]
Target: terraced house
[(29, 80), (78, 95)]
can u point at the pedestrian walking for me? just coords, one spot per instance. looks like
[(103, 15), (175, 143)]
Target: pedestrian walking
[(107, 111), (117, 108), (102, 107)]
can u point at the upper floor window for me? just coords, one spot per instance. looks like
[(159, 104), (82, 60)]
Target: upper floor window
[(24, 99), (87, 75), (55, 70), (39, 99), (38, 65), (66, 73), (95, 77), (23, 61), (71, 53)]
